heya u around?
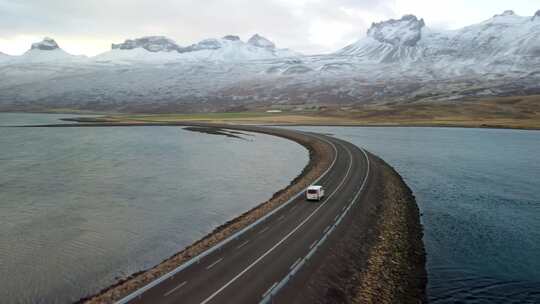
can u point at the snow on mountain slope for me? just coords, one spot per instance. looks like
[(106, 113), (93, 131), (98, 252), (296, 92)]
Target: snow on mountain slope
[(536, 16), (260, 41), (389, 41), (136, 55), (504, 39), (150, 49), (232, 48), (499, 39), (4, 57), (399, 60), (159, 49)]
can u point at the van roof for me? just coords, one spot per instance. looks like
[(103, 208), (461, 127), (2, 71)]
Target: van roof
[(314, 187)]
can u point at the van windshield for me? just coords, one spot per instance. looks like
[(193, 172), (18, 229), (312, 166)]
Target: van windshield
[(312, 191)]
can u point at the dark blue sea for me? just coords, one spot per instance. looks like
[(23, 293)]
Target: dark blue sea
[(479, 194)]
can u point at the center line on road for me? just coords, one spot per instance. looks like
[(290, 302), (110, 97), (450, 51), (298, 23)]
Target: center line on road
[(313, 244), (214, 264), (213, 295), (281, 217), (326, 229), (264, 230), (295, 263), (269, 289), (175, 289), (242, 245)]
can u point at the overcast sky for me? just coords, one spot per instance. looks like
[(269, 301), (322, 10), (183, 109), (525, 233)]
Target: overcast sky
[(309, 26)]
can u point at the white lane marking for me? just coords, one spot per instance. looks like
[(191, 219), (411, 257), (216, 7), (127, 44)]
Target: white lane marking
[(214, 264), (326, 229), (175, 289), (212, 296), (263, 231), (336, 218), (295, 263), (242, 245), (196, 259), (344, 207), (313, 244), (269, 290)]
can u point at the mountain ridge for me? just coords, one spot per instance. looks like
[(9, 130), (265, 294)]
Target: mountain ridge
[(399, 60)]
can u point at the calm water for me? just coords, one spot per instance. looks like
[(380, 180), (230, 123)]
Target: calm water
[(82, 206), (479, 192)]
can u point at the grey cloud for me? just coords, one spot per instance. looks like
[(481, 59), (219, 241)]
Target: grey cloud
[(186, 21)]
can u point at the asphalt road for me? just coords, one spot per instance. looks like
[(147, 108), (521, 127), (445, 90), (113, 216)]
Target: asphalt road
[(249, 268)]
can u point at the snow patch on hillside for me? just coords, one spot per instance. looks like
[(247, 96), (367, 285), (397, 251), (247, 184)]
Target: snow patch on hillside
[(136, 55)]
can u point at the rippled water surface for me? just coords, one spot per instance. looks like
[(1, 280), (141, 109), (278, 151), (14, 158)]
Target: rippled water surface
[(82, 206), (479, 192)]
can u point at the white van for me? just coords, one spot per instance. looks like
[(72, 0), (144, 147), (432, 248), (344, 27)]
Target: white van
[(314, 193)]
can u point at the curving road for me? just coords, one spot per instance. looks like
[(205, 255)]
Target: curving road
[(254, 267)]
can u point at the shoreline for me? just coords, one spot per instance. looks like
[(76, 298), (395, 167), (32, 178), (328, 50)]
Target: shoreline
[(103, 119), (112, 119), (319, 161)]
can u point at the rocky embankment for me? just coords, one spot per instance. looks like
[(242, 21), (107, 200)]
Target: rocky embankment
[(377, 255)]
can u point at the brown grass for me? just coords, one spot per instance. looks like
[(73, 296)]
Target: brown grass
[(522, 112)]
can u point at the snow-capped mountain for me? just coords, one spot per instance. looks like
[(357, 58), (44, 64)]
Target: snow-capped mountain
[(149, 43), (389, 41), (47, 44), (260, 41), (46, 51), (504, 38), (398, 60), (230, 48), (149, 49)]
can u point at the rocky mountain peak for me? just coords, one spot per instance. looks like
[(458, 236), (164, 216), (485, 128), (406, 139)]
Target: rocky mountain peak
[(47, 44), (260, 41), (406, 31), (149, 43), (536, 15), (207, 44), (506, 13), (231, 38)]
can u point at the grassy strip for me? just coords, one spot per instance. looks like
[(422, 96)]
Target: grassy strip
[(520, 112)]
